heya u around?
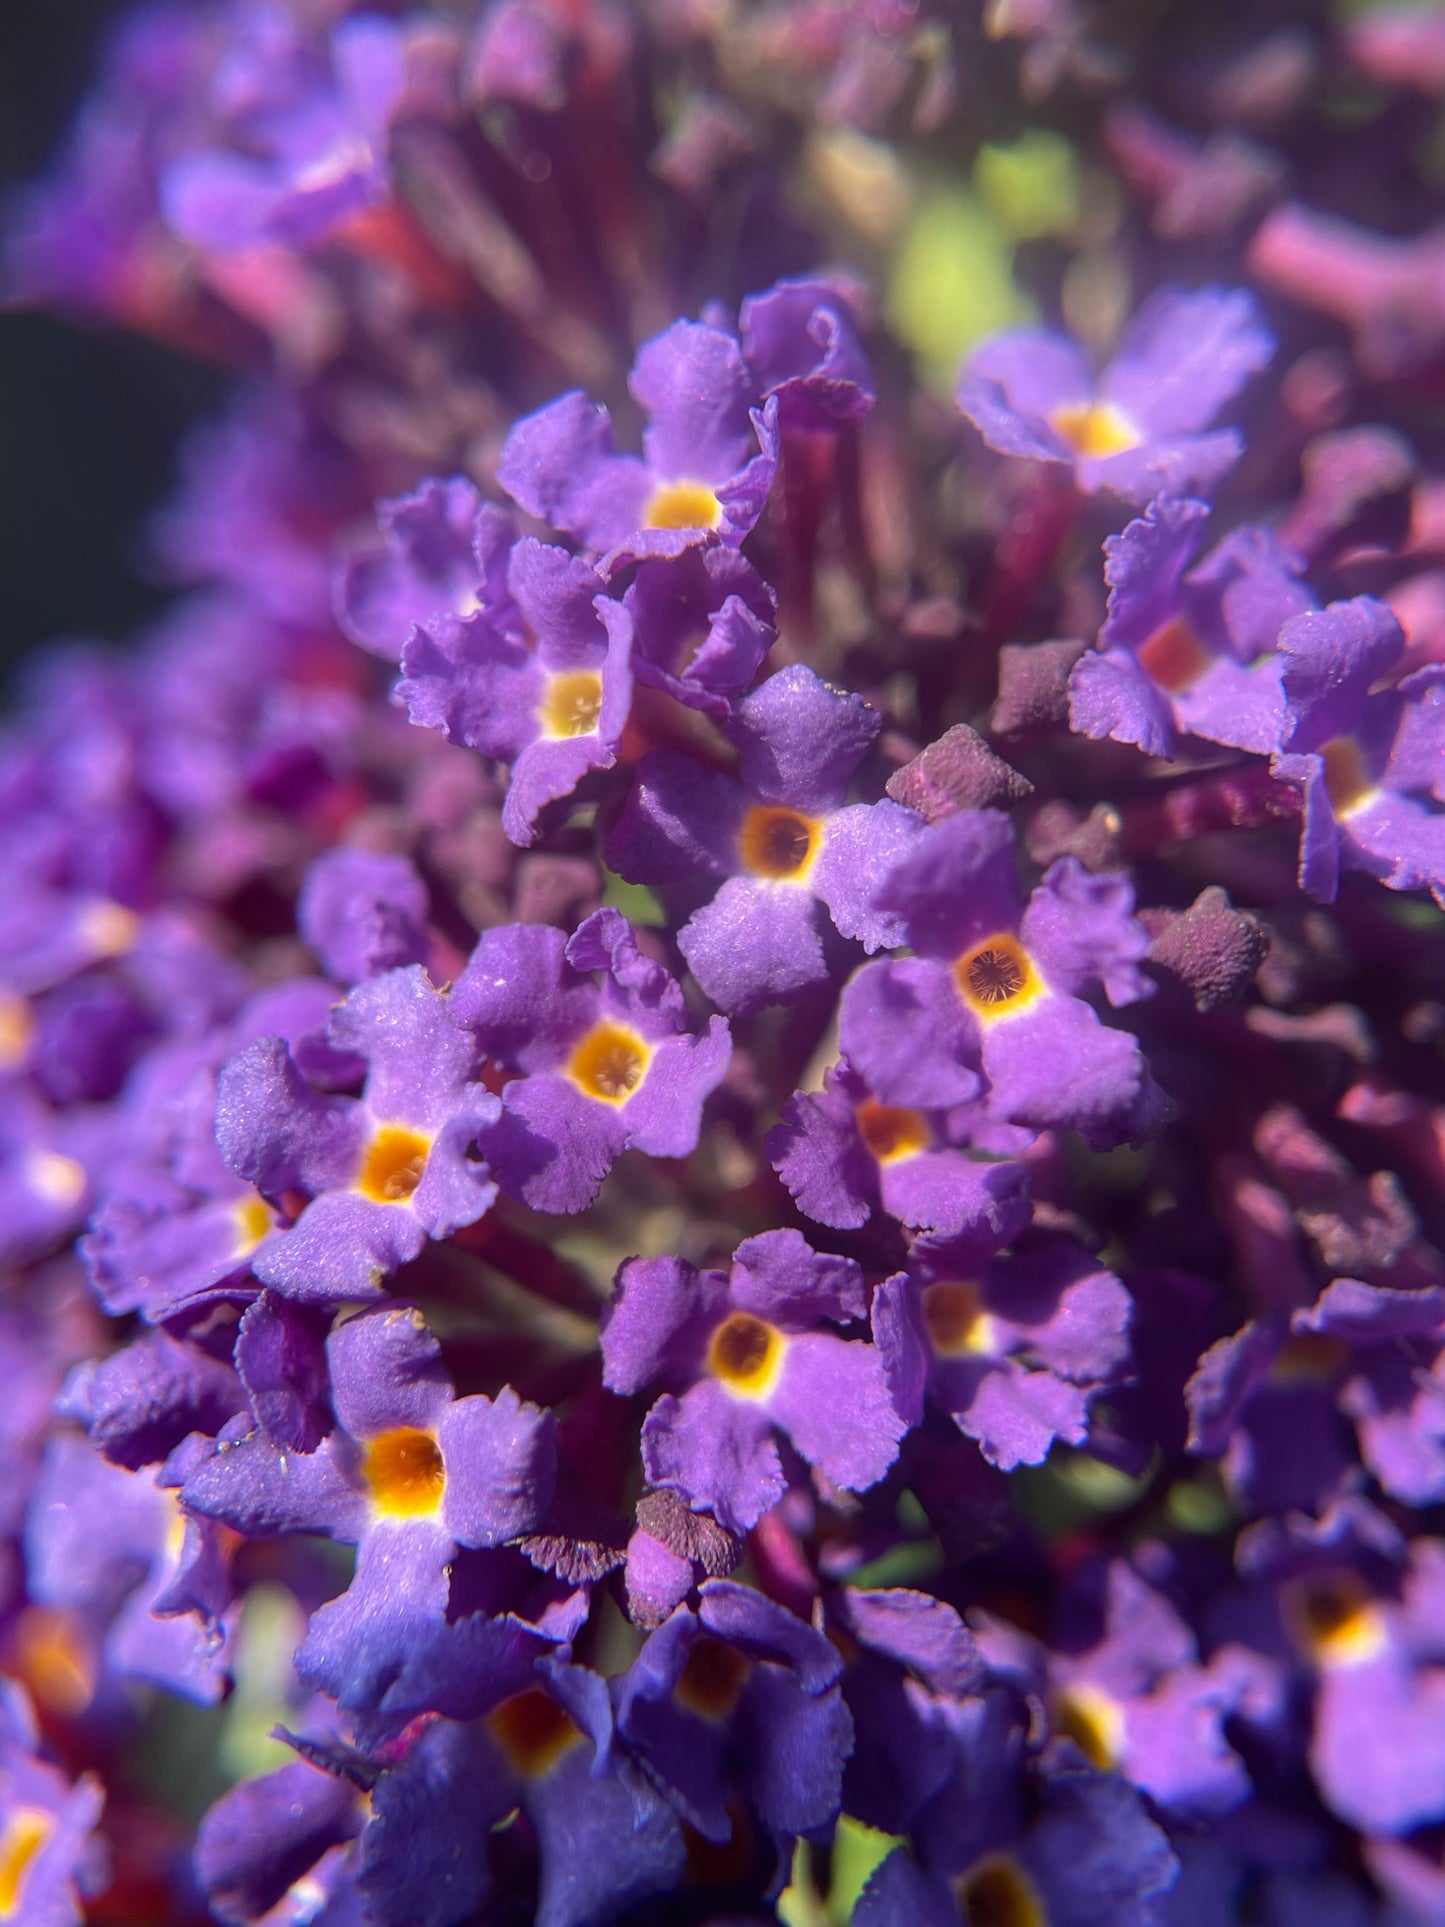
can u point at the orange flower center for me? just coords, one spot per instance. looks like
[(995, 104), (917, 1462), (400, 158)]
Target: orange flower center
[(404, 1473), (25, 1833), (712, 1679), (892, 1134), (1095, 428), (955, 1320), (1093, 1721), (997, 977), (1347, 781), (996, 1892), (682, 505), (778, 843), (533, 1732), (571, 704), (746, 1355), (609, 1063), (394, 1164), (1174, 657)]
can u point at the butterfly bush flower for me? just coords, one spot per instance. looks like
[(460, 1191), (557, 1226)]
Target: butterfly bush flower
[(441, 562), (1059, 1546), (738, 1703), (175, 1226), (1143, 429), (843, 1154), (363, 913), (801, 339), (1370, 766), (377, 1175), (702, 623), (709, 452), (606, 1062), (112, 1548), (1087, 1854), (302, 134), (550, 697), (780, 836), (1187, 648), (1014, 1354), (49, 1856), (752, 1353), (604, 1837), (989, 1004), (409, 1473)]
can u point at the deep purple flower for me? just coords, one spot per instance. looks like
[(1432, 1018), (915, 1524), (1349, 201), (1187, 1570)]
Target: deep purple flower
[(263, 1839), (708, 455), (738, 1702), (301, 135), (780, 836), (382, 1172), (606, 1062), (802, 340), (409, 1474), (1014, 1350), (1088, 1856), (48, 1856), (363, 913), (702, 623), (548, 694), (441, 563), (604, 1835), (750, 1351), (911, 1661), (989, 1004), (1371, 766), (175, 1225), (114, 1548), (1187, 649), (1143, 429), (843, 1154)]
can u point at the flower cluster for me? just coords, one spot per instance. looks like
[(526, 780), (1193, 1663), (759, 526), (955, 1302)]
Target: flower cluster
[(723, 1107)]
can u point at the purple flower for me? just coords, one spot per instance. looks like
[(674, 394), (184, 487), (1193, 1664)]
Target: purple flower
[(1088, 1856), (708, 453), (409, 1474), (843, 1154), (702, 623), (1134, 1699), (780, 837), (176, 1227), (301, 135), (1188, 650), (751, 1353), (441, 562), (802, 340), (1014, 1350), (605, 1064), (990, 1003), (114, 1548), (382, 1172), (263, 1838), (1372, 767), (1141, 430), (915, 1660), (549, 695), (48, 1856), (363, 913), (605, 1837), (738, 1703)]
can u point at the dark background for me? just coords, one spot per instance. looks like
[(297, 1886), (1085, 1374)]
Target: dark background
[(89, 417)]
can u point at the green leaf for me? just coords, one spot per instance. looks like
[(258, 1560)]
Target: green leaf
[(1031, 187), (952, 282)]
